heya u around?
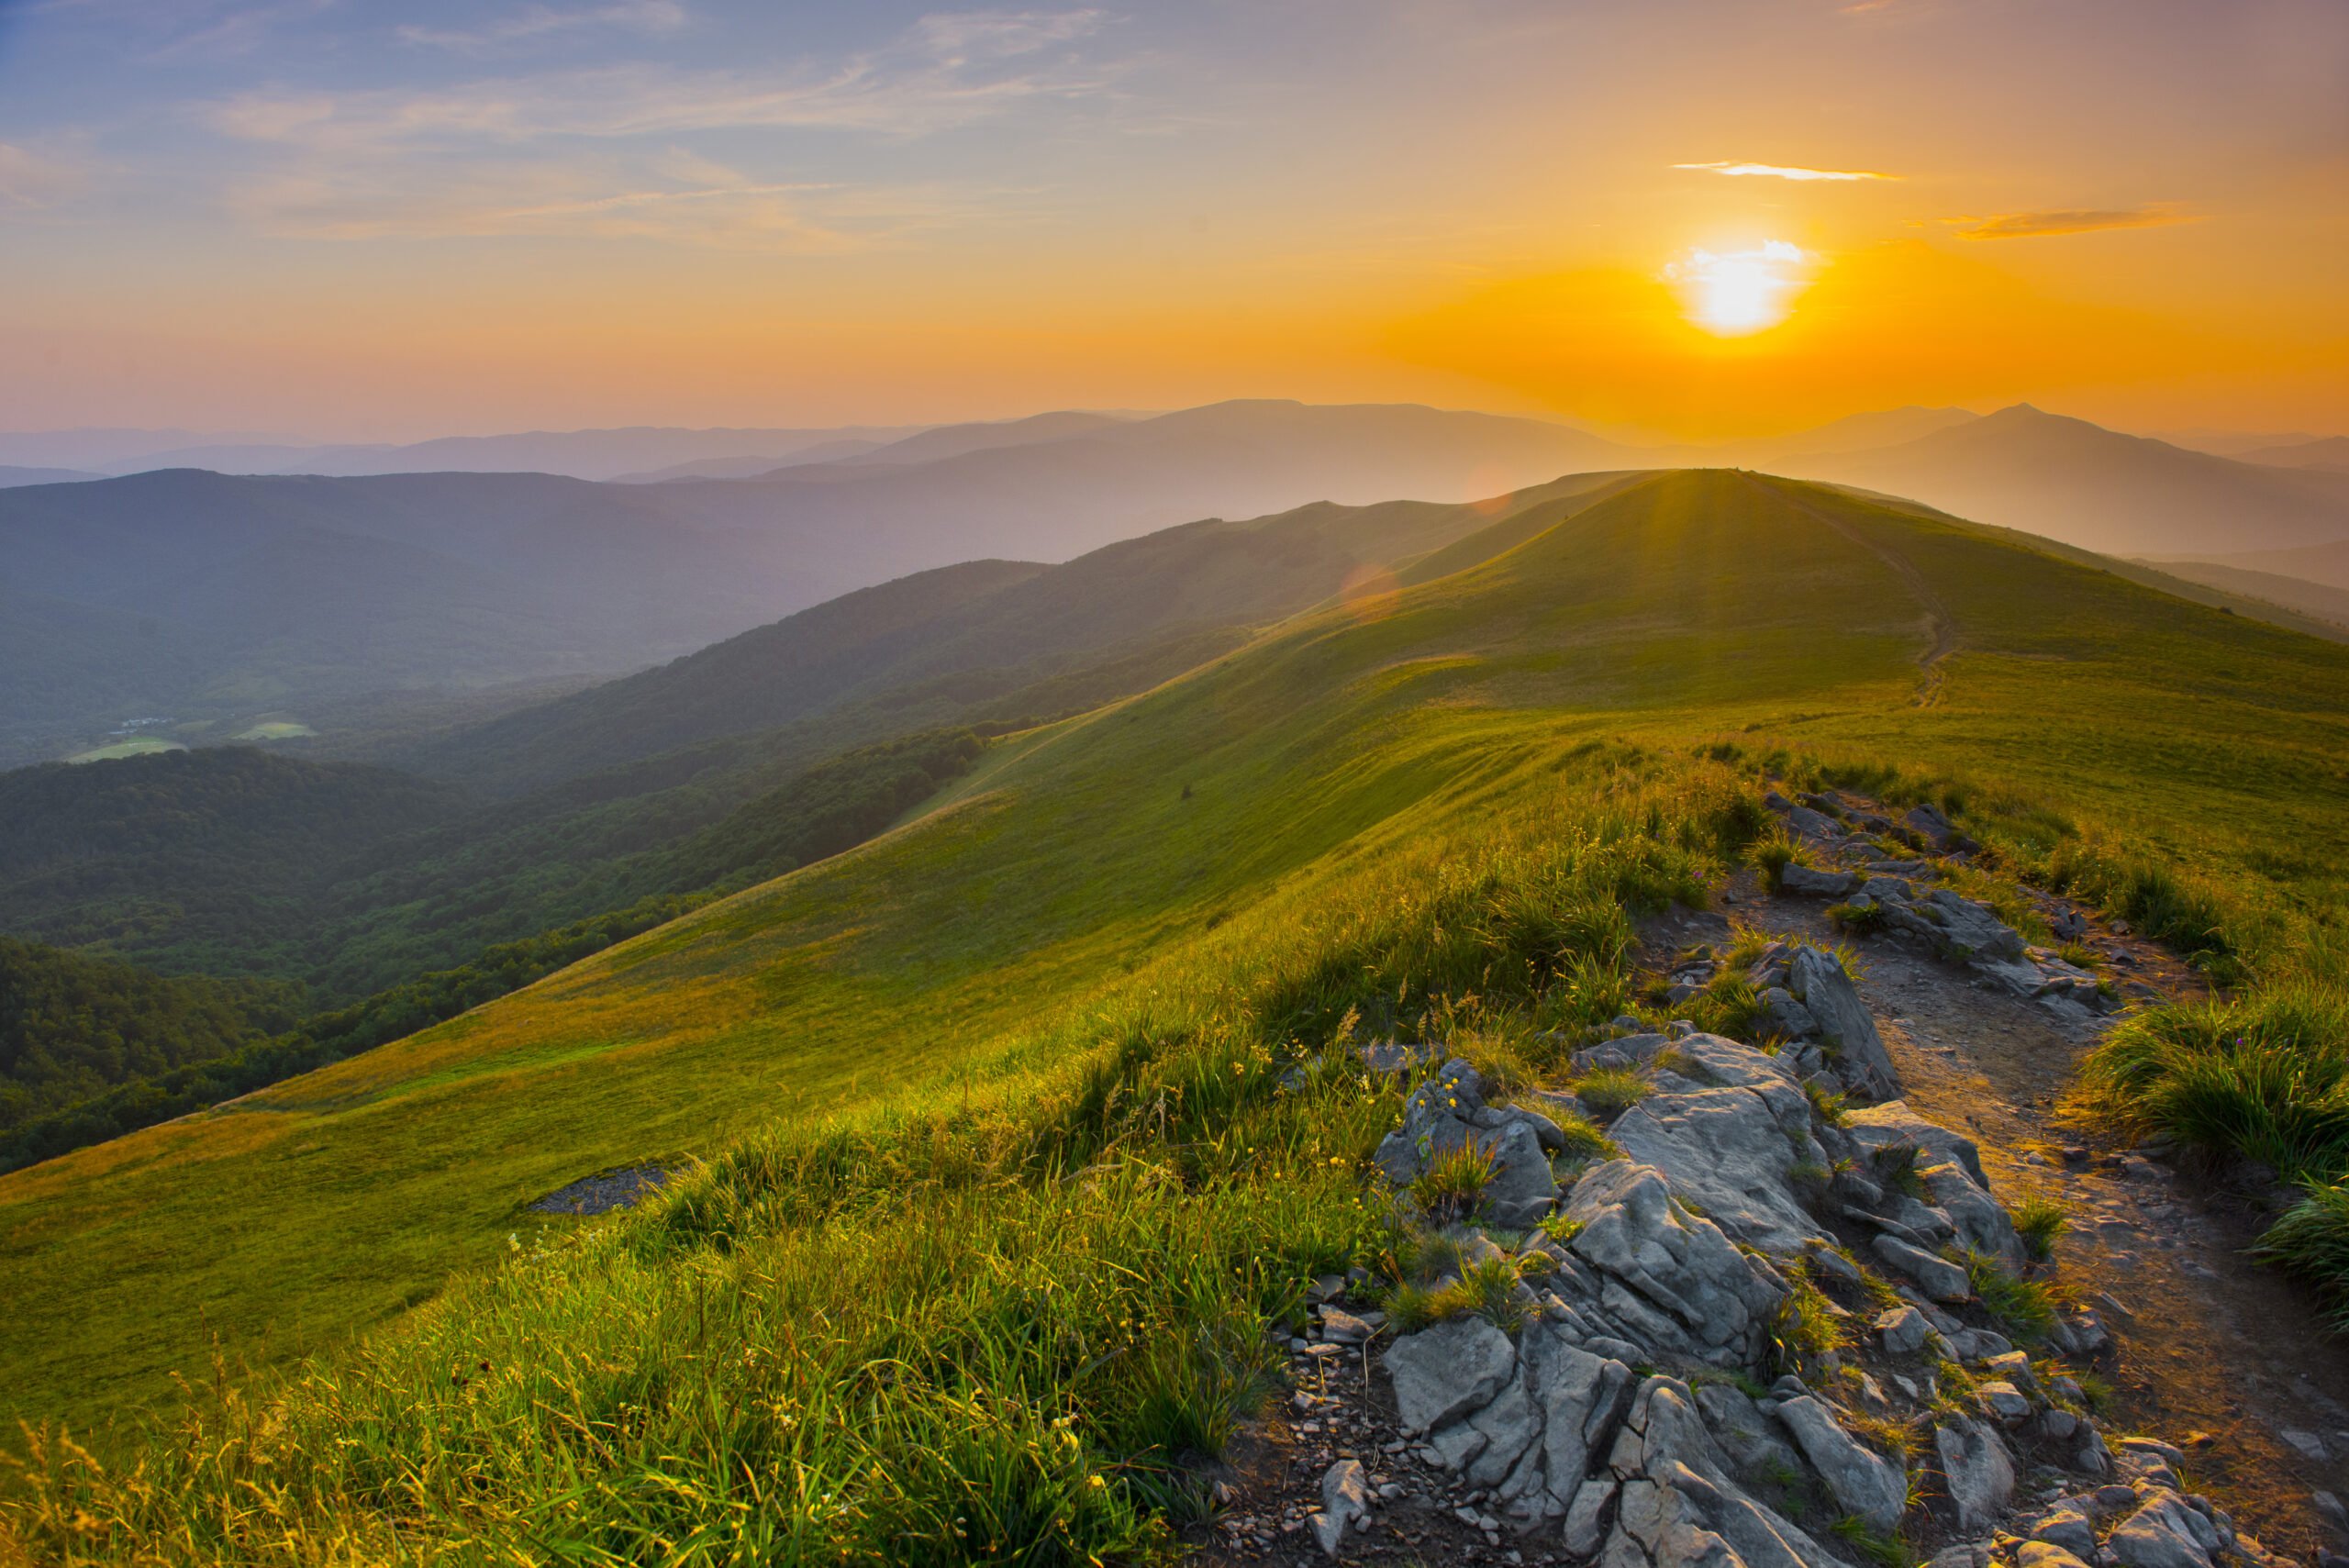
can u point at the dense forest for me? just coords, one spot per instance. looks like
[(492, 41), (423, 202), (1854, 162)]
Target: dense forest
[(73, 1025), (206, 861), (92, 1048)]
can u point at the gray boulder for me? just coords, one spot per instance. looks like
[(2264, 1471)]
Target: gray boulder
[(1813, 824), (1522, 1187), (1893, 1122), (1863, 1483), (1586, 1528), (1435, 1122), (1903, 1329), (1937, 1277), (1671, 1278), (1802, 879), (1510, 1425), (1582, 1397), (1447, 1371), (1979, 1472), (1822, 987), (2067, 1525), (1980, 1221), (1757, 1454), (1928, 823), (1676, 1506), (2045, 1554), (1730, 1144), (1784, 1017), (1962, 928), (2162, 1533)]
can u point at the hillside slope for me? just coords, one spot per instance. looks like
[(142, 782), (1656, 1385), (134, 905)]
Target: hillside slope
[(2084, 485), (1077, 862), (287, 591), (976, 629)]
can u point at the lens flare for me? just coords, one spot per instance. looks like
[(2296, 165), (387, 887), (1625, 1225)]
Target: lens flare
[(1733, 293)]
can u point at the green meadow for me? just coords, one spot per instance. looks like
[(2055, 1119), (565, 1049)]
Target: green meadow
[(1430, 808)]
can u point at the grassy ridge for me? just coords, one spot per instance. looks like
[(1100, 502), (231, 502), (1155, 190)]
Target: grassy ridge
[(987, 1324), (1074, 861)]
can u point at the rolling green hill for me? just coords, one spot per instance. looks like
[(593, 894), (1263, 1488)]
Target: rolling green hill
[(1089, 875)]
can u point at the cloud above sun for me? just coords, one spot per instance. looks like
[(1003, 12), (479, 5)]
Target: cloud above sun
[(1782, 171), (2074, 220)]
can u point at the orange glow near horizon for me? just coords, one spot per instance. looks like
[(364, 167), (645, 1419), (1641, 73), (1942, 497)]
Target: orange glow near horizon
[(347, 228)]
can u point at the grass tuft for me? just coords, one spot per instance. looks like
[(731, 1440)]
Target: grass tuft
[(1451, 1188), (2038, 1222), (1611, 1091), (2024, 1308)]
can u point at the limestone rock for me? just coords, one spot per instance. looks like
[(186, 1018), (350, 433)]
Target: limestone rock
[(1748, 1438), (1447, 1371), (1937, 1277), (1903, 1329), (2045, 1554), (1730, 1144), (1802, 879), (1585, 1525), (1345, 1497), (1581, 1397), (2067, 1526), (1979, 1472), (1822, 987), (1676, 1506), (1510, 1425), (1863, 1483), (1784, 1017), (1894, 1122), (1670, 1277), (2164, 1533)]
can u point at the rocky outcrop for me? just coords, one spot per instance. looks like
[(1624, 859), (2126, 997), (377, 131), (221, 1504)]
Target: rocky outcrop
[(1897, 893), (1614, 1403)]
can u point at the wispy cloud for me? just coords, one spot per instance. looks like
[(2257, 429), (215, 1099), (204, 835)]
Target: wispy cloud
[(566, 153), (1783, 171), (538, 21), (946, 72), (32, 180), (2072, 220)]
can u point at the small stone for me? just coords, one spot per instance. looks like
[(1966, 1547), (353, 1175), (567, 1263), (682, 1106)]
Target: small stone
[(1903, 1329), (2045, 1554), (2005, 1401), (2309, 1446)]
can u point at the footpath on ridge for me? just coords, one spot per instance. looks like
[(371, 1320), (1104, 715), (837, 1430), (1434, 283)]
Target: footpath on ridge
[(1782, 1314)]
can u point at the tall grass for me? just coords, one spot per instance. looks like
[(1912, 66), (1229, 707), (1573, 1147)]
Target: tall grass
[(995, 1325)]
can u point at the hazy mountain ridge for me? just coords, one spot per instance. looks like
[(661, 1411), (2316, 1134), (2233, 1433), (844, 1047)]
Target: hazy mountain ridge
[(2085, 485), (465, 580)]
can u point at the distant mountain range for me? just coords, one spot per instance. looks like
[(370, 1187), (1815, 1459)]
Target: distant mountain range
[(201, 596), (11, 477)]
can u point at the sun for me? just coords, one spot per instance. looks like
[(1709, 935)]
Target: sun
[(1733, 293)]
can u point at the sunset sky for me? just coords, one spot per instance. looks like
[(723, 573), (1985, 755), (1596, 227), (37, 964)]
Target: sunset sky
[(354, 220)]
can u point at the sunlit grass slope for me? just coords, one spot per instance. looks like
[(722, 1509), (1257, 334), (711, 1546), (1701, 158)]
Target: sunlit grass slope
[(1077, 864)]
